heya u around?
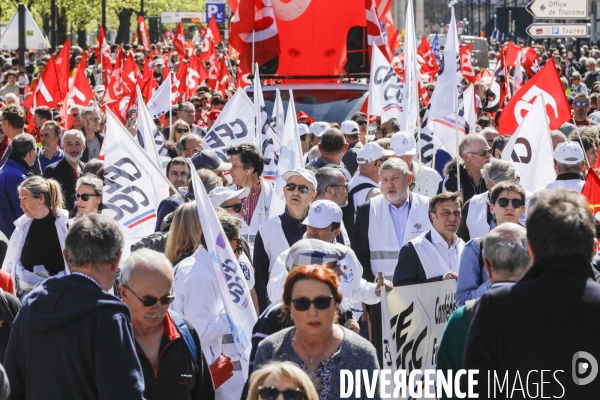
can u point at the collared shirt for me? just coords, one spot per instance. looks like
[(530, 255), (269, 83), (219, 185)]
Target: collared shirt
[(448, 253), (399, 218), (44, 162), (250, 202)]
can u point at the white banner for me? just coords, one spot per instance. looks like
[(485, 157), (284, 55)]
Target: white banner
[(414, 324), (410, 97), (153, 141), (160, 103), (133, 185), (385, 88), (235, 125)]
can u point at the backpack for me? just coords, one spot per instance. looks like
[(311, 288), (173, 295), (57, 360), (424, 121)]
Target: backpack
[(186, 335), (348, 211)]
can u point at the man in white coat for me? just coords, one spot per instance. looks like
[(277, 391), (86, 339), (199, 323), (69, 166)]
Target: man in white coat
[(568, 159), (386, 223), (425, 180)]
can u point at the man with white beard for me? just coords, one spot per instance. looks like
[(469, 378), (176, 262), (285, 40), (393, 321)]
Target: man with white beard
[(68, 170)]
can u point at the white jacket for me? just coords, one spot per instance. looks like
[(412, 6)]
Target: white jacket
[(17, 241), (430, 180)]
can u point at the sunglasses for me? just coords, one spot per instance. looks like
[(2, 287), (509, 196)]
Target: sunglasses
[(290, 187), (321, 303), (581, 104), (482, 152), (149, 301), (182, 130), (75, 115), (516, 203), (361, 122), (197, 106), (86, 197), (236, 207), (272, 393)]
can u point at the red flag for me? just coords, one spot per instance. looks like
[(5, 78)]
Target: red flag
[(62, 68), (430, 67), (233, 4), (144, 32), (115, 88), (374, 34), (254, 21), (47, 93), (213, 28), (130, 75), (103, 51), (80, 91), (149, 83), (179, 41), (591, 191), (223, 77), (512, 52), (545, 82), (196, 73), (213, 71), (241, 79), (465, 62), (178, 88)]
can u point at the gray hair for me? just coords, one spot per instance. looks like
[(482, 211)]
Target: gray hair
[(185, 138), (395, 163), (22, 144), (466, 142), (11, 96), (73, 132), (150, 259), (558, 133), (505, 249), (88, 111), (76, 107), (498, 171), (568, 168), (326, 177), (590, 61), (93, 239), (231, 224), (92, 181)]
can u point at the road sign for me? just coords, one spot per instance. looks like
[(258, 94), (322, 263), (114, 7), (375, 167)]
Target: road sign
[(559, 9), (217, 10), (558, 30), (185, 17), (34, 38)]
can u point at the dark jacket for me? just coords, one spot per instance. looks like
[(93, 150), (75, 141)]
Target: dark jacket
[(463, 230), (469, 187), (65, 175), (409, 270), (8, 312), (540, 323), (12, 174), (175, 376), (72, 340), (349, 158), (86, 154)]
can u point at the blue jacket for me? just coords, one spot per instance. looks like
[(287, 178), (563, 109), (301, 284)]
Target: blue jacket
[(472, 280), (11, 175), (72, 340)]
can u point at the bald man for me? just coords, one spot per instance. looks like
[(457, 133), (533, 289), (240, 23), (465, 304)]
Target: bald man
[(168, 346)]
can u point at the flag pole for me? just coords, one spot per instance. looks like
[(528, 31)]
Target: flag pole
[(457, 153), (170, 103), (587, 161), (252, 48)]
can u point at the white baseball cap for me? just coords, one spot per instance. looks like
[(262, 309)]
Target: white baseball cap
[(302, 129), (372, 152), (349, 128), (317, 128), (569, 153), (305, 173), (220, 195), (322, 213), (403, 144)]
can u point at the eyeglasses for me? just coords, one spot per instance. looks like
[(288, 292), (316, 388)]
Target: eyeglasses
[(482, 152), (86, 196), (187, 111), (290, 187), (197, 106), (182, 130), (516, 203), (321, 303), (272, 393), (361, 122), (236, 207), (345, 185), (75, 115), (150, 301), (581, 104)]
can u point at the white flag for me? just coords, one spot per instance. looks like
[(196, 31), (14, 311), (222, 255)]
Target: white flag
[(530, 149), (152, 139), (518, 78), (470, 110), (385, 88), (277, 117), (410, 96), (232, 283), (234, 126), (160, 103), (133, 185), (290, 158)]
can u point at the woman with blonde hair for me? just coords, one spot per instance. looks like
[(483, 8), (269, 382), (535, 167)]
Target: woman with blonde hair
[(179, 129), (35, 249), (185, 233), (284, 378)]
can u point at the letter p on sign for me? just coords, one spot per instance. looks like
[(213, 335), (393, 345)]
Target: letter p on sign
[(216, 10)]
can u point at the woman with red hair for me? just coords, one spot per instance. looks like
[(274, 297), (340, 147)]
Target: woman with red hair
[(316, 343)]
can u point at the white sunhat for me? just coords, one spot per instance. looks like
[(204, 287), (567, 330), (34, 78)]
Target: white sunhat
[(322, 213), (220, 195)]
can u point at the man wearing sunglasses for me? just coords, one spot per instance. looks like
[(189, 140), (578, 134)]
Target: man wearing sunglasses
[(568, 161), (278, 234), (170, 369), (581, 106)]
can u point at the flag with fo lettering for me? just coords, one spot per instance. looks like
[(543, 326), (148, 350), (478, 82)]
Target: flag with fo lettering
[(235, 125), (266, 139), (235, 294), (530, 148), (152, 140), (133, 185), (385, 88)]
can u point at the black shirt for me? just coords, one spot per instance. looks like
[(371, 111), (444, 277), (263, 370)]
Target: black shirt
[(42, 246)]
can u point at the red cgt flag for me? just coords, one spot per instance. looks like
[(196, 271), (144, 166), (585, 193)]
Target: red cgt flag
[(591, 191), (430, 67), (213, 28), (465, 62), (144, 32), (179, 41), (545, 82)]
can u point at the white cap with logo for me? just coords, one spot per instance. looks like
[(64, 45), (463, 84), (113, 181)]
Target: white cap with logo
[(302, 129), (403, 144), (372, 152), (322, 213), (305, 173), (317, 128), (569, 153), (220, 195), (349, 128)]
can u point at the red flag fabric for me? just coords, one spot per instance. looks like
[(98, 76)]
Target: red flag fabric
[(46, 93), (144, 32), (179, 41), (591, 191), (241, 79), (115, 88), (103, 51), (465, 62), (223, 77), (130, 75), (149, 83), (195, 74), (208, 47), (374, 34), (512, 52), (63, 68), (213, 71), (254, 21), (546, 82), (233, 4), (80, 91), (178, 88), (213, 28), (430, 67)]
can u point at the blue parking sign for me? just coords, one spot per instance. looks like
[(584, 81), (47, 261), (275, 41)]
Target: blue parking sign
[(555, 30), (216, 10)]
